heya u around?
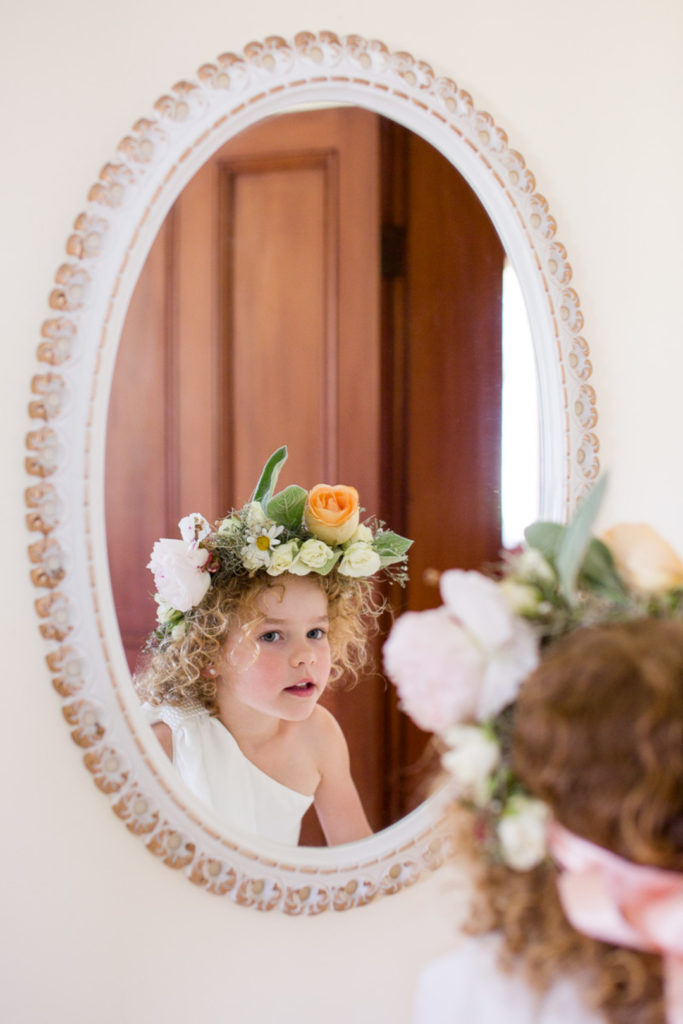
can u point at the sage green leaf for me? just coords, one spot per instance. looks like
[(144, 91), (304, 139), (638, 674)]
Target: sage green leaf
[(390, 547), (287, 507), (329, 564), (599, 573), (270, 473), (546, 538), (577, 538)]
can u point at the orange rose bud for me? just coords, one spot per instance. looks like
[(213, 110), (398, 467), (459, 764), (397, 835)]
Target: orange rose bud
[(332, 513)]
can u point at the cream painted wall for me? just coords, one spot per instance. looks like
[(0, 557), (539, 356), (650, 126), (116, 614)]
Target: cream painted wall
[(590, 92)]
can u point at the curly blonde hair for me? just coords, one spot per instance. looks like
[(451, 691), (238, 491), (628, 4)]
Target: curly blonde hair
[(177, 672), (599, 737)]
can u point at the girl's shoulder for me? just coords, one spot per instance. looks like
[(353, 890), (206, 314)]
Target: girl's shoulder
[(323, 726), (325, 738)]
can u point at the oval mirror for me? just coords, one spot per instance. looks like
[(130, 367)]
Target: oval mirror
[(112, 240)]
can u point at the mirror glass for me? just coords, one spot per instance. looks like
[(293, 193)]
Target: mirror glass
[(328, 280)]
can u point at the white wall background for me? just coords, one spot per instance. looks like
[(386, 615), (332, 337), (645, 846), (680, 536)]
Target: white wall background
[(92, 926)]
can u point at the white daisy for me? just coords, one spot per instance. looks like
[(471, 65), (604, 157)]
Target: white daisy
[(259, 548)]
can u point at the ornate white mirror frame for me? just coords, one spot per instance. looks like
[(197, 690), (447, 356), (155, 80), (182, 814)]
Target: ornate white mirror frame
[(65, 458)]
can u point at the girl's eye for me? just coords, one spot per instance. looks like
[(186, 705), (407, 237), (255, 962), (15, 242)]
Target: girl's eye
[(271, 636), (316, 634)]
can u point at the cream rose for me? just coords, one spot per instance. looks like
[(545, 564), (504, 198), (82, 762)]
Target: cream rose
[(359, 560), (471, 758), (282, 558), (522, 832), (644, 559), (313, 555), (363, 533), (332, 513), (523, 598)]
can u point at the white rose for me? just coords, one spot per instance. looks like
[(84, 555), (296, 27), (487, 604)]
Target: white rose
[(282, 558), (472, 757), (363, 533), (359, 560), (178, 573), (522, 832), (194, 528), (313, 554)]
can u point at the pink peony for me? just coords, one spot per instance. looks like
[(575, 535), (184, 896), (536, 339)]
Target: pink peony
[(178, 573), (507, 643), (436, 668)]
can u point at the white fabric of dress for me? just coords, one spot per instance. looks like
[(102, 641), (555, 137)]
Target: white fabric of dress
[(467, 986), (210, 763)]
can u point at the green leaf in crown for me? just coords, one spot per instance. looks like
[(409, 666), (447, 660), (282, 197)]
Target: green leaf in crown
[(287, 508), (390, 547), (271, 471)]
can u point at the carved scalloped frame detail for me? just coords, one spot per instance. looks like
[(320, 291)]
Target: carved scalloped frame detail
[(66, 450)]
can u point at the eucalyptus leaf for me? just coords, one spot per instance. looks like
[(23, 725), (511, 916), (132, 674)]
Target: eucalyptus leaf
[(577, 538), (287, 507), (270, 473), (389, 544)]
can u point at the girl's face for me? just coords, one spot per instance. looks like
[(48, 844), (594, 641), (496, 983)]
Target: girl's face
[(292, 664)]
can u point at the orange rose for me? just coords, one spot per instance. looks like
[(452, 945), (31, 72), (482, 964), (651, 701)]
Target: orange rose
[(332, 513), (644, 559)]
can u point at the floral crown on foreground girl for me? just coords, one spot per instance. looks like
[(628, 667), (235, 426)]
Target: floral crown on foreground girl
[(294, 531), (458, 668)]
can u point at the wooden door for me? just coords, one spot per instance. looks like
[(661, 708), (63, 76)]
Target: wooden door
[(442, 381), (278, 305)]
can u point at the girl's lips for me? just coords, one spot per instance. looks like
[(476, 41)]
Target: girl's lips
[(303, 689)]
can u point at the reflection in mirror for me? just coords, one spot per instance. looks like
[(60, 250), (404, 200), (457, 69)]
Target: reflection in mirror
[(330, 281)]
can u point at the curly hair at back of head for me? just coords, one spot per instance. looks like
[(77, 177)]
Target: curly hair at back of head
[(599, 737), (178, 672)]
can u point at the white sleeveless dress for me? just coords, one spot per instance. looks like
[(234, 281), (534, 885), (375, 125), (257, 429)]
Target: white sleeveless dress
[(467, 986), (211, 764)]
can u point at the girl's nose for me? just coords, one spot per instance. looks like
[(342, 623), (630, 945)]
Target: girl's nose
[(302, 653)]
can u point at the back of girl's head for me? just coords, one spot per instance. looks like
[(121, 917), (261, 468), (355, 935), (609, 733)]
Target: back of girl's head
[(599, 737), (182, 670)]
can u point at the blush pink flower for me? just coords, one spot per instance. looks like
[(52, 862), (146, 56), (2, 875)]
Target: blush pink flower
[(507, 643), (178, 573), (435, 667)]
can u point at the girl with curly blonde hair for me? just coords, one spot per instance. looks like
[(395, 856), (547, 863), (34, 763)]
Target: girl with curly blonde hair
[(555, 687), (598, 737), (256, 617)]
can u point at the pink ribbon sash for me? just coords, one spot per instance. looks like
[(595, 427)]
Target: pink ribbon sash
[(614, 900)]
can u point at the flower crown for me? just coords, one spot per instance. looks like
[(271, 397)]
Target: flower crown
[(458, 668), (295, 531)]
